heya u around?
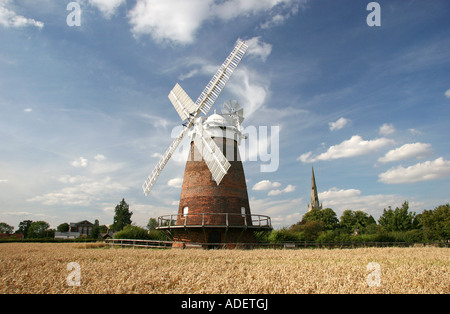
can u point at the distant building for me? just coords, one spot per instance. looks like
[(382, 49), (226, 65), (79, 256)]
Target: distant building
[(83, 227), (76, 230), (67, 235), (314, 195)]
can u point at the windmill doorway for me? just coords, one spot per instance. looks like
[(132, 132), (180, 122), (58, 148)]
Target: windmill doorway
[(214, 237)]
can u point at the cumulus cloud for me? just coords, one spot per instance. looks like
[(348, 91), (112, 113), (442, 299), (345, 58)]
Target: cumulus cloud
[(107, 7), (339, 124), (258, 49), (355, 146), (290, 188), (179, 20), (84, 192), (9, 18), (99, 157), (342, 199), (80, 163), (265, 185), (406, 151), (426, 171), (175, 183), (173, 20), (447, 93), (99, 164), (387, 129)]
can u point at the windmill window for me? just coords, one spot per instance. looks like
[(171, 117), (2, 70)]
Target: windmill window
[(243, 211), (185, 211)]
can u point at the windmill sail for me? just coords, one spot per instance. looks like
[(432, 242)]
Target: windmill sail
[(220, 79), (216, 162), (182, 102), (148, 184), (211, 153)]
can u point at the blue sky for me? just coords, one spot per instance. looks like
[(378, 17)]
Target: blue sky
[(85, 112)]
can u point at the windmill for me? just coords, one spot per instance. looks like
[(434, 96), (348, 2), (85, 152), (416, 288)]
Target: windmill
[(188, 110), (214, 205)]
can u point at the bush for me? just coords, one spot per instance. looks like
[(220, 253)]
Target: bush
[(139, 233), (133, 232), (284, 235)]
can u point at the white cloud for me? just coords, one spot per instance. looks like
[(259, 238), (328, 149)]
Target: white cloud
[(102, 167), (429, 170), (258, 48), (336, 194), (265, 185), (447, 93), (9, 18), (283, 212), (71, 179), (414, 132), (173, 20), (283, 12), (250, 88), (84, 193), (156, 155), (339, 124), (355, 146), (290, 188), (179, 20), (340, 200), (4, 181), (80, 163), (99, 157), (175, 183), (231, 9), (406, 151), (387, 129), (28, 110), (107, 7)]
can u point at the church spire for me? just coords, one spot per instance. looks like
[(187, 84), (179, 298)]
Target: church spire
[(314, 195)]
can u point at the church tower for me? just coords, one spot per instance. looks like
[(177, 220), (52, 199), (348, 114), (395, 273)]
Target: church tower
[(314, 196)]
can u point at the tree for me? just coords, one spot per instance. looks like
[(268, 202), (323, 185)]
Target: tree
[(152, 224), (312, 229), (329, 219), (23, 227), (38, 229), (5, 228), (95, 232), (386, 220), (327, 216), (399, 219), (436, 223), (64, 227), (403, 219), (351, 221), (122, 216)]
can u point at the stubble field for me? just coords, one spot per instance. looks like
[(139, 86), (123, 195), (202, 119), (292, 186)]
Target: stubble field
[(42, 268)]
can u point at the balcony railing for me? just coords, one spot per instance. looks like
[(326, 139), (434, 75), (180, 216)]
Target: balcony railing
[(214, 220)]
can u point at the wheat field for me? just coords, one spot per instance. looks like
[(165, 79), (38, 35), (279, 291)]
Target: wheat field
[(42, 268)]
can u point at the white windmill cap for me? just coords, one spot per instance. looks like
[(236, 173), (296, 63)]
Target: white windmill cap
[(216, 120)]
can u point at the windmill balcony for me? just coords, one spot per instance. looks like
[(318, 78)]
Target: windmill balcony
[(214, 220)]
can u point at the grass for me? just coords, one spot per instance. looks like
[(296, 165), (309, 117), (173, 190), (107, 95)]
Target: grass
[(42, 268)]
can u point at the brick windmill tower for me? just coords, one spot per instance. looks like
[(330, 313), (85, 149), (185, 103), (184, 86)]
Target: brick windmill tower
[(214, 206)]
